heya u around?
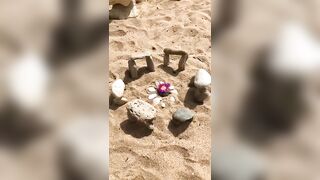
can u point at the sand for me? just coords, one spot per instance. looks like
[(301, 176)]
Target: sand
[(167, 152)]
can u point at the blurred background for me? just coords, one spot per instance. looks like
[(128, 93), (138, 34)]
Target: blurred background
[(266, 59), (53, 77)]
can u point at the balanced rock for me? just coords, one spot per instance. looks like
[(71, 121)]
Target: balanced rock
[(202, 79), (117, 88), (142, 111), (183, 114)]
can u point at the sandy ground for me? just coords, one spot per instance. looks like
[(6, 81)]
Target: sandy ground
[(168, 152)]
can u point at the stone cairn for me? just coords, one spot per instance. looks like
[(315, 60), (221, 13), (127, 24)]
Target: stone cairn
[(183, 59), (202, 83), (133, 68)]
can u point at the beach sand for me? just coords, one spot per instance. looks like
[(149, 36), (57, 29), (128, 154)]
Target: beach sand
[(167, 152)]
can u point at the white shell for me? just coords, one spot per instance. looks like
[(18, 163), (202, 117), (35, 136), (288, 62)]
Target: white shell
[(152, 96), (151, 90)]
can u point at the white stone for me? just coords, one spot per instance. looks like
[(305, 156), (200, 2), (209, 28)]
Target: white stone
[(171, 87), (163, 105), (151, 90), (141, 110), (117, 88), (202, 78), (152, 96), (157, 100)]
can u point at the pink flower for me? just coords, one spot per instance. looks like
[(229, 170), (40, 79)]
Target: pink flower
[(163, 89)]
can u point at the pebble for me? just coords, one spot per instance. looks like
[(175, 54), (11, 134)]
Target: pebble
[(157, 100), (183, 114), (152, 96), (141, 110), (202, 79), (117, 88), (172, 99), (151, 90), (163, 105)]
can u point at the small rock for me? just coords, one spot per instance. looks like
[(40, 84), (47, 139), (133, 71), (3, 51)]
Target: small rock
[(141, 111), (163, 105), (157, 100), (183, 114), (151, 90), (117, 88), (202, 79), (171, 87), (152, 96)]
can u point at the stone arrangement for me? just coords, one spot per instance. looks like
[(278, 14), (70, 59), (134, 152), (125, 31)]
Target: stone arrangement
[(183, 59), (117, 89), (141, 111), (133, 68), (158, 98), (202, 83)]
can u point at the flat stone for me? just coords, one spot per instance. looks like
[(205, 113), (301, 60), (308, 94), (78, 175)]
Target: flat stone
[(151, 90), (117, 88), (183, 114), (141, 110), (202, 79), (152, 96)]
